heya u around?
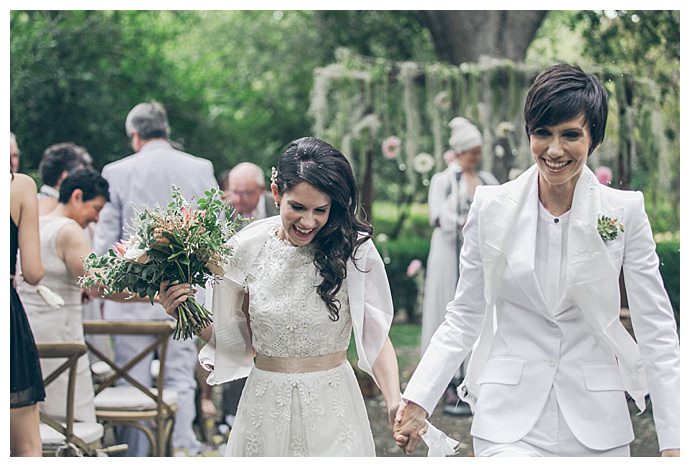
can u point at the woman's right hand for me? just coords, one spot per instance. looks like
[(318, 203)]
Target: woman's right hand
[(172, 296)]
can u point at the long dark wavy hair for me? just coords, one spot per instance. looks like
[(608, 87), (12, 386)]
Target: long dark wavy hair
[(318, 163)]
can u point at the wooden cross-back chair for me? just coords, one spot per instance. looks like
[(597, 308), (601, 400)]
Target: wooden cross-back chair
[(137, 405), (67, 438)]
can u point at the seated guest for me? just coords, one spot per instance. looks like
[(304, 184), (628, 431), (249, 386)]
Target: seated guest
[(63, 244), (58, 161)]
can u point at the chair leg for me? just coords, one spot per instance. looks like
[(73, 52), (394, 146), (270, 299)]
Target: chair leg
[(148, 432)]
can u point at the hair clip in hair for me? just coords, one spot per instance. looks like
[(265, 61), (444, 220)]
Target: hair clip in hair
[(274, 175)]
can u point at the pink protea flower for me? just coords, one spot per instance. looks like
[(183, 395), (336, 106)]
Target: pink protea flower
[(604, 175), (391, 147), (120, 248), (414, 267)]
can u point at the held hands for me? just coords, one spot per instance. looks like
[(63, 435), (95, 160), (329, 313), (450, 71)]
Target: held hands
[(670, 453), (409, 426), (172, 296)]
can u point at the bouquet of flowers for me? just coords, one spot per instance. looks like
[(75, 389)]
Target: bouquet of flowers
[(176, 244)]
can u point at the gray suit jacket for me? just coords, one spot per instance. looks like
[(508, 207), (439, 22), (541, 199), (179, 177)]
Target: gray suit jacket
[(143, 180), (271, 208)]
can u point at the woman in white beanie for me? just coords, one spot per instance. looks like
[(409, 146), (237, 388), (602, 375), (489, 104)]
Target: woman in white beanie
[(450, 195)]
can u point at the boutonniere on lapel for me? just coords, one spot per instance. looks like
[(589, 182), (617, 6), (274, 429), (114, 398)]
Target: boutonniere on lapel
[(608, 227)]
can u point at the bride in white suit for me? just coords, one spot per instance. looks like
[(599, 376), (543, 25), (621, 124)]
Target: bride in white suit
[(538, 301)]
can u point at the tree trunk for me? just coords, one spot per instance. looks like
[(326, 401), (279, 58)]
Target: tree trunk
[(464, 36)]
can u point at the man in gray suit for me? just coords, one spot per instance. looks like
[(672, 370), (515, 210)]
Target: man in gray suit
[(144, 179)]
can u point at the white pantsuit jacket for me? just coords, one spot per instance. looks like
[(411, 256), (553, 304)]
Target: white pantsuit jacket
[(521, 349)]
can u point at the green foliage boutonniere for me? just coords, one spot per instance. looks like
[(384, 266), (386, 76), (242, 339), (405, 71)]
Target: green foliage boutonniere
[(608, 227)]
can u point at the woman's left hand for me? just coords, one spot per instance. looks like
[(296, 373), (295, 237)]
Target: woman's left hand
[(393, 408), (670, 453)]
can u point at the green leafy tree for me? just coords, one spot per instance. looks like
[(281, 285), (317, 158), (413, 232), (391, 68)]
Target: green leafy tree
[(74, 75)]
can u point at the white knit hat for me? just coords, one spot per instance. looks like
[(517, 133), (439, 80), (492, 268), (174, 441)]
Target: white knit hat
[(463, 135)]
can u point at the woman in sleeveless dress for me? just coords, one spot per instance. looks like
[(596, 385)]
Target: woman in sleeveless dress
[(64, 243), (26, 381), (297, 287)]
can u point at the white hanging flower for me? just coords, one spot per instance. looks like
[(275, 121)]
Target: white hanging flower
[(381, 238), (423, 163), (514, 173), (504, 129), (442, 100), (499, 151)]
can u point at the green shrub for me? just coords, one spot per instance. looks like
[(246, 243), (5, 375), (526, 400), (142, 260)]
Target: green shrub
[(662, 216), (397, 255), (386, 215), (669, 265)]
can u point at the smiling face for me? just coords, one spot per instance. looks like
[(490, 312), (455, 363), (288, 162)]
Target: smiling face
[(560, 151), (304, 211), (85, 212)]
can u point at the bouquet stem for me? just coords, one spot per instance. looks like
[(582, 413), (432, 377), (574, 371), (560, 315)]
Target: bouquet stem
[(191, 318)]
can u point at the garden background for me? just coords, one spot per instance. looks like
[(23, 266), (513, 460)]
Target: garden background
[(239, 85)]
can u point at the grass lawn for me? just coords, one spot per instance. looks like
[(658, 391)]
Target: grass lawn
[(405, 338)]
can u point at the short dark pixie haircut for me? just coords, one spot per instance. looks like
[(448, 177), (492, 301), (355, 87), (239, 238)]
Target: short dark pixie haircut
[(562, 92), (62, 157), (90, 182)]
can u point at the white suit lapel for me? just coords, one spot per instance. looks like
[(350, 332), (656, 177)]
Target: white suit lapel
[(522, 247), (592, 283), (499, 218), (592, 278)]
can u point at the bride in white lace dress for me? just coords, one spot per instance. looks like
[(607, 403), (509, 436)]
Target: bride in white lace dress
[(296, 288)]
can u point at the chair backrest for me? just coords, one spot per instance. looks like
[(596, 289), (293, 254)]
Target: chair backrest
[(160, 329), (70, 351)]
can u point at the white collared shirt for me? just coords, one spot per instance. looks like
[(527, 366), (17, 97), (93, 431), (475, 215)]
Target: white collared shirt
[(47, 191), (551, 254), (259, 211)]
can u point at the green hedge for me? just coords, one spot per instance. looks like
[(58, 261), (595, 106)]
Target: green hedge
[(397, 255), (669, 265)]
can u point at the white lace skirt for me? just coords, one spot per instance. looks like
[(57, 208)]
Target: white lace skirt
[(321, 413)]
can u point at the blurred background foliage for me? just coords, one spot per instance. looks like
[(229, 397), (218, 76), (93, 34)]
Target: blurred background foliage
[(237, 85)]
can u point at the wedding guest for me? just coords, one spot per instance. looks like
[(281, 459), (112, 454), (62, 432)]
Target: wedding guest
[(26, 380), (450, 196), (64, 243), (539, 288), (14, 154), (246, 192), (296, 288), (145, 179), (222, 180), (58, 161)]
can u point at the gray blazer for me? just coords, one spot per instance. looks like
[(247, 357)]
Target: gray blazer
[(271, 208), (144, 180)]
